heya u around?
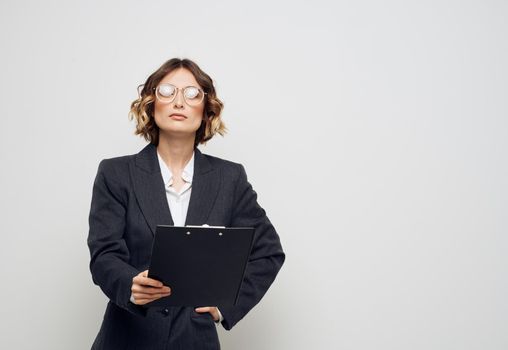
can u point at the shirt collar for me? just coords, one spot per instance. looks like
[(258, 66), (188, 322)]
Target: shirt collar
[(167, 175)]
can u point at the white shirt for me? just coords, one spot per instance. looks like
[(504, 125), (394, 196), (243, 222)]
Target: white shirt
[(178, 202)]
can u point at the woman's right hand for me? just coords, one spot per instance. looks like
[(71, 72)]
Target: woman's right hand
[(145, 290)]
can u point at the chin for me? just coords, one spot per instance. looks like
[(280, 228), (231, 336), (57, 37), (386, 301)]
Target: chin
[(178, 131)]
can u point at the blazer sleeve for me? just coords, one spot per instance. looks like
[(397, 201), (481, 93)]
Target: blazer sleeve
[(266, 257), (109, 254)]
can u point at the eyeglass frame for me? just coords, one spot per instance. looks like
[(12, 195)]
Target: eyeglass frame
[(177, 91)]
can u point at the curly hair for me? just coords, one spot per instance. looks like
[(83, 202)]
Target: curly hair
[(143, 107)]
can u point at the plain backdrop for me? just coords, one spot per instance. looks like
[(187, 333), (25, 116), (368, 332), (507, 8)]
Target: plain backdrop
[(374, 132)]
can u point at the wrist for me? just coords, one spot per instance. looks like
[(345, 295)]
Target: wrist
[(220, 316)]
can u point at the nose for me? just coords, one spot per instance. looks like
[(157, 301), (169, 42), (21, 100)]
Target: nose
[(178, 99)]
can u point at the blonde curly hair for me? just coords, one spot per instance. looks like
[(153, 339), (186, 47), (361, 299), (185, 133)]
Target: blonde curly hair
[(142, 108)]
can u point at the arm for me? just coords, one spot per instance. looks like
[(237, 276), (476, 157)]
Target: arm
[(109, 254), (266, 257)]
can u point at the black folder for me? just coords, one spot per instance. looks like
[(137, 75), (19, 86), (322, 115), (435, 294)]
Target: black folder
[(203, 265)]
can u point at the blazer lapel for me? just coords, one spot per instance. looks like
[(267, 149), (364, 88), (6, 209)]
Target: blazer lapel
[(151, 194), (205, 187), (149, 188)]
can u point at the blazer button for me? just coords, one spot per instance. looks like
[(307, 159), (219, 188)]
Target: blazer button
[(165, 312)]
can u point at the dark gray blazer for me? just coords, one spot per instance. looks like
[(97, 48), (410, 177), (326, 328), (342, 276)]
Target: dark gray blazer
[(128, 202)]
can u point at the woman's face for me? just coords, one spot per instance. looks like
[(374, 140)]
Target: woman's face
[(177, 117)]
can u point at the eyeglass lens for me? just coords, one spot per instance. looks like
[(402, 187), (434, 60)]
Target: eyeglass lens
[(192, 95)]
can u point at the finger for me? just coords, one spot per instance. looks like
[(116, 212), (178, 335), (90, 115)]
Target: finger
[(203, 309), (149, 295), (142, 301), (142, 278), (147, 281), (140, 296), (210, 309), (150, 290)]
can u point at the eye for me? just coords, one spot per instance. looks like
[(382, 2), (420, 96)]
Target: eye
[(166, 90), (191, 92)]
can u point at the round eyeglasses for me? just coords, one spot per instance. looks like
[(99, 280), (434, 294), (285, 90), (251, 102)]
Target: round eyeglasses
[(192, 95)]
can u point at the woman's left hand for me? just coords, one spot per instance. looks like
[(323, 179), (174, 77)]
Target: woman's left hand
[(211, 309)]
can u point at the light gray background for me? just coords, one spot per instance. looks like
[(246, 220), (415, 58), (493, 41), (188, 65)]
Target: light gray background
[(375, 133)]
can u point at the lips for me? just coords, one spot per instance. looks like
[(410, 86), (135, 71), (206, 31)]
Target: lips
[(177, 116)]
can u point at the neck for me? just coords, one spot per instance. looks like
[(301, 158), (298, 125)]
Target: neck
[(176, 152)]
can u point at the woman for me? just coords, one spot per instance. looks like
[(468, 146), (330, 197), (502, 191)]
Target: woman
[(171, 182)]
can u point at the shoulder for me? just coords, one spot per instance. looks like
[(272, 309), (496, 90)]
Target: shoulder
[(232, 173), (225, 165), (115, 170), (115, 164)]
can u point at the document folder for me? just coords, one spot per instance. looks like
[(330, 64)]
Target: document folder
[(203, 265)]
